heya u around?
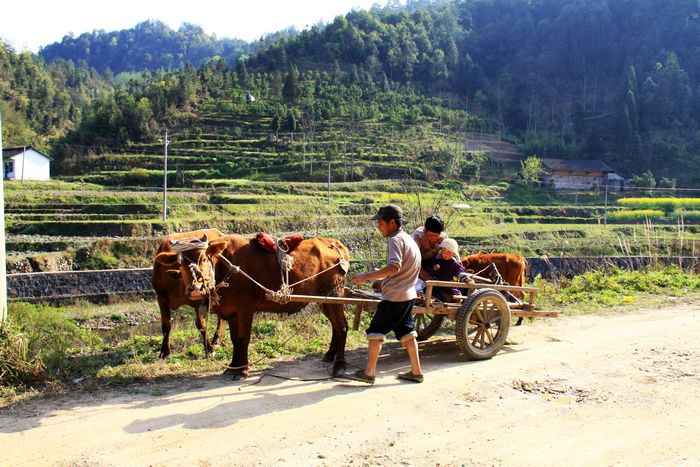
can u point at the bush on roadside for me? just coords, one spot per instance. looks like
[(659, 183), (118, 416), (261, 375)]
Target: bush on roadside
[(36, 342), (614, 286)]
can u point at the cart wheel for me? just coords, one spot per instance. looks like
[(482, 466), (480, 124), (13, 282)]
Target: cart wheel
[(427, 324), (482, 324)]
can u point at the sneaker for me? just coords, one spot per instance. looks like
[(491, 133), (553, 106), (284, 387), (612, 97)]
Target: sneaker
[(409, 376), (360, 376)]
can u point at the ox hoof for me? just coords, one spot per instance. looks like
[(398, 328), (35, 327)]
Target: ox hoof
[(328, 357), (339, 368), (236, 375), (164, 354)]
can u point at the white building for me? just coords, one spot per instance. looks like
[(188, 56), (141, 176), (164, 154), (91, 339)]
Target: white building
[(25, 164)]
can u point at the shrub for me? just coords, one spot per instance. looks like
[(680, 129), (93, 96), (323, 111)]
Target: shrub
[(36, 343), (685, 215), (138, 176), (611, 286)]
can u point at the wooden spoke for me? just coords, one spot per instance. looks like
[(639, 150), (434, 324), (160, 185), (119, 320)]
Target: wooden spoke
[(489, 336), (479, 316), (476, 337)]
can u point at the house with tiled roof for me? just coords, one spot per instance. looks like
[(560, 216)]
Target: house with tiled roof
[(580, 174)]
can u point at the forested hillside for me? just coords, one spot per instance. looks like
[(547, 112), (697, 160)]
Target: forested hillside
[(609, 79), (39, 101), (150, 45), (601, 79)]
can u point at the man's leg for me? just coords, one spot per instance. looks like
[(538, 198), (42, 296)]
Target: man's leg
[(412, 350), (373, 348)]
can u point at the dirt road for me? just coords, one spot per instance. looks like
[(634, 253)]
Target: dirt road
[(592, 390)]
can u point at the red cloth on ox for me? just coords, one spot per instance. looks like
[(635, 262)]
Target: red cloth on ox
[(267, 242), (291, 241)]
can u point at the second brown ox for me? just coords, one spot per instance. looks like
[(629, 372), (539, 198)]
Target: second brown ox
[(242, 298), (511, 268)]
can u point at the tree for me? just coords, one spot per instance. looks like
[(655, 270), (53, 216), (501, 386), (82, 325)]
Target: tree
[(531, 169), (276, 86), (646, 180), (291, 90)]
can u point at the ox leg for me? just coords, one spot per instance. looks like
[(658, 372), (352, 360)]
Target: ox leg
[(240, 327), (165, 326), (200, 320), (339, 323), (216, 340), (519, 321), (329, 356)]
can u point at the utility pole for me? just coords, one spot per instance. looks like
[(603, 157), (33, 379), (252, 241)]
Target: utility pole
[(3, 277), (605, 212), (166, 142), (24, 152)]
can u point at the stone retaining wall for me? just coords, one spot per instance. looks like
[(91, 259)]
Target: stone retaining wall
[(553, 268), (104, 286), (111, 285)]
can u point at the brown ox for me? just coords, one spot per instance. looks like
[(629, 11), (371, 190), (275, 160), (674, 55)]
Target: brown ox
[(242, 298), (511, 268), (170, 292)]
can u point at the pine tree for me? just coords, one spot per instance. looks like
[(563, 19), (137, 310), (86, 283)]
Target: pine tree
[(291, 90)]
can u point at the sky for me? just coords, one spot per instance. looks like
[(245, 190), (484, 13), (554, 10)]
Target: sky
[(30, 24)]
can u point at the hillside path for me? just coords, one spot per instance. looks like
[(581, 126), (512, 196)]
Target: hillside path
[(615, 389)]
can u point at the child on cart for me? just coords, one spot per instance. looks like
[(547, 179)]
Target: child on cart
[(446, 266)]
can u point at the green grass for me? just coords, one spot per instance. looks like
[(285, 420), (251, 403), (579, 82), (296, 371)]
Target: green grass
[(614, 287), (43, 347)]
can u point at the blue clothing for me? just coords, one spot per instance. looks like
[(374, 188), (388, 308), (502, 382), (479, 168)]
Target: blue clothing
[(447, 270)]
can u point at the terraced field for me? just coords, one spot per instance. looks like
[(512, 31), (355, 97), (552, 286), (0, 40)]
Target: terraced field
[(219, 144), (228, 169), (88, 226)]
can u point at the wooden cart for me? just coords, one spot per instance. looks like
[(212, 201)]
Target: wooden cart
[(482, 316)]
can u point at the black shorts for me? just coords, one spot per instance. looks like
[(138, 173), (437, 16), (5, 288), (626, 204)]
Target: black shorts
[(392, 316)]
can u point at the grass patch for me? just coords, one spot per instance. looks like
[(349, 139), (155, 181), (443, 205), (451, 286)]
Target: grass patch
[(43, 348), (614, 287)]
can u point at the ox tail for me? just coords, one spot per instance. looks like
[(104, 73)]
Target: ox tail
[(523, 275)]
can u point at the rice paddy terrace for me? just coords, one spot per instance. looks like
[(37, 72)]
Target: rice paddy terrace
[(63, 225), (219, 145)]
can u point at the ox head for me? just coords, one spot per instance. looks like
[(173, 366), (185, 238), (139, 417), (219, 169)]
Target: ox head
[(192, 261)]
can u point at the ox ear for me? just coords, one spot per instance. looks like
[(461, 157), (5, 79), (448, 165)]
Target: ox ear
[(174, 274), (216, 247), (204, 238), (167, 258)]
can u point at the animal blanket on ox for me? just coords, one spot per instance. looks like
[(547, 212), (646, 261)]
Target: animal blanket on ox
[(288, 243)]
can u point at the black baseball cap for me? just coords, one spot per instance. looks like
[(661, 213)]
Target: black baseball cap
[(390, 211)]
